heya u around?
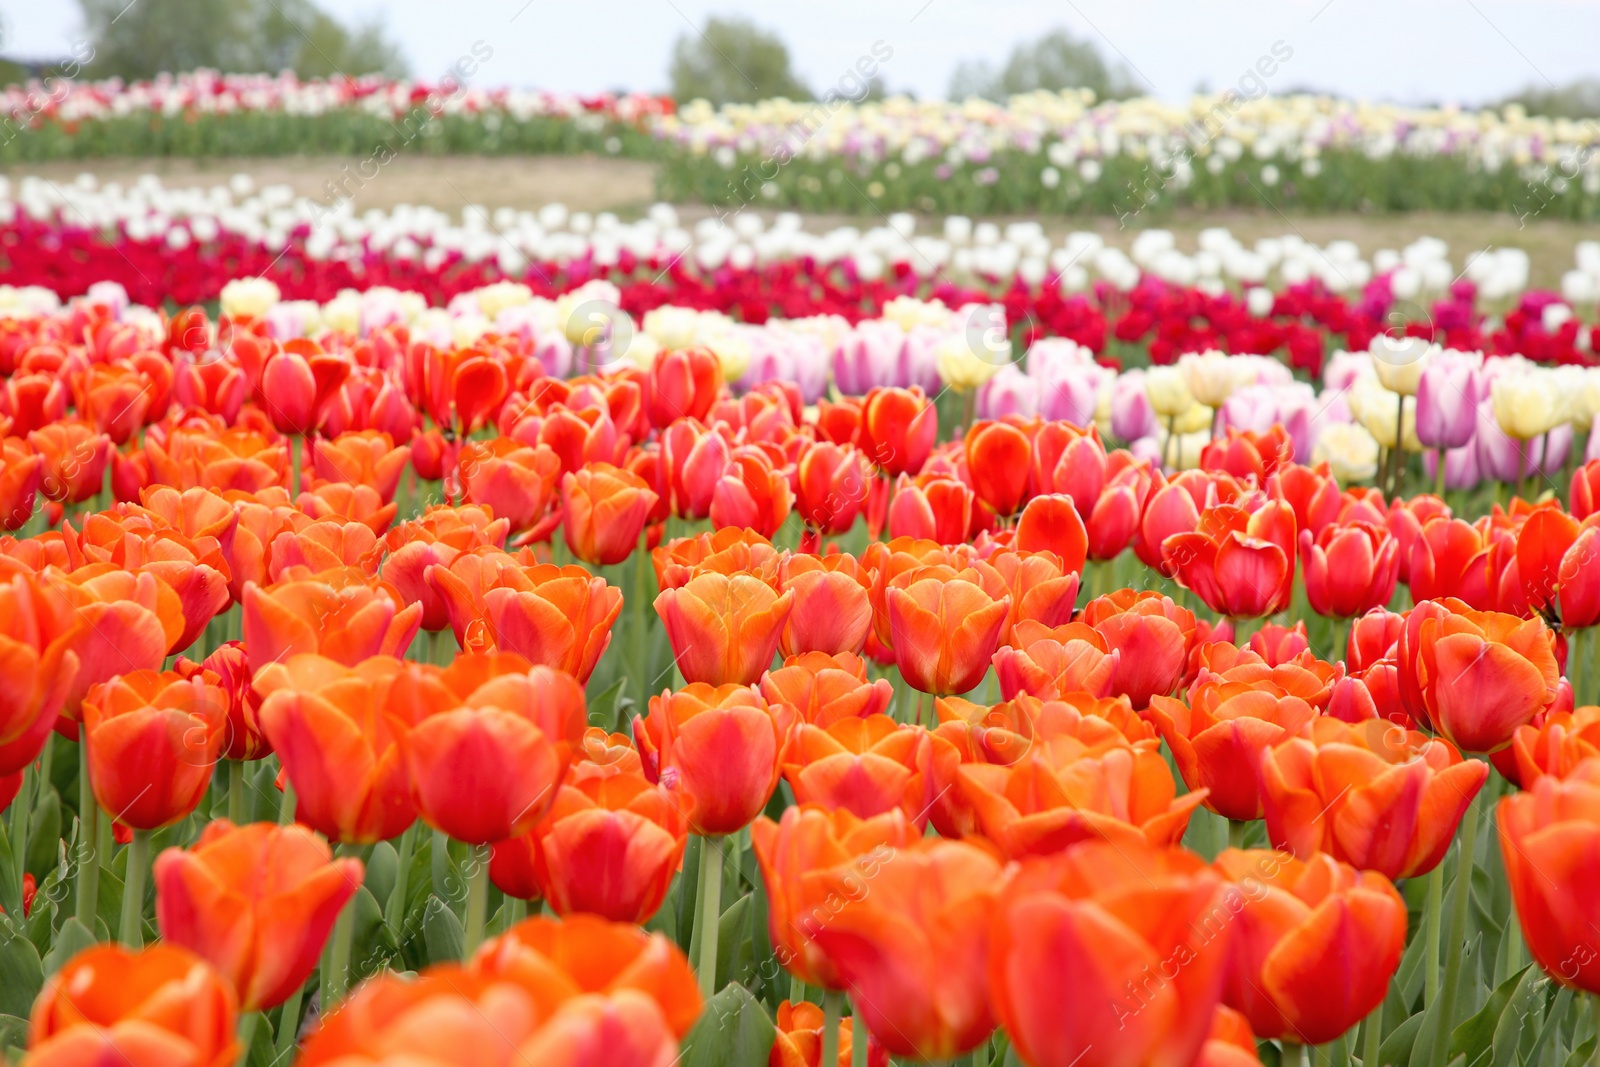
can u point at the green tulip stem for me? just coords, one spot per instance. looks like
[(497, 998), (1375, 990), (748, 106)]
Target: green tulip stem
[(859, 1042), (21, 815), (708, 913), (1460, 898), (477, 900), (236, 788), (130, 930), (832, 1006), (1432, 917), (639, 625), (1438, 477), (1236, 831), (1294, 1054), (88, 839), (394, 909), (1594, 1006), (247, 1035), (1372, 1038), (289, 1026)]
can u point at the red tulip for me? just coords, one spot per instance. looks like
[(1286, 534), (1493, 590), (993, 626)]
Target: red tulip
[(999, 455), (1240, 563), (684, 383), (1349, 569), (721, 746), (898, 429), (154, 739), (604, 509)]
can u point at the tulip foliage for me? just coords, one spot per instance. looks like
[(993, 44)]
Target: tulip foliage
[(371, 701)]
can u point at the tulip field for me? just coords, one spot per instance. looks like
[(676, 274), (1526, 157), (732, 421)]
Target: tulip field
[(494, 637)]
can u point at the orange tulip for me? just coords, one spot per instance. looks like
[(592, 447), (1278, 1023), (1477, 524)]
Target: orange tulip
[(724, 630), (945, 632), (21, 469), (298, 382), (492, 740), (1350, 568), (75, 457), (825, 689), (832, 610), (341, 614), (722, 746), (161, 1006), (556, 616), (38, 667), (131, 622), (360, 457), (683, 384), (334, 729), (141, 541), (898, 429), (725, 551), (442, 1016), (1217, 737), (320, 546), (1050, 662), (1042, 590), (585, 955), (936, 507), (604, 508), (1369, 794), (222, 459), (257, 901), (868, 765), (832, 483), (1480, 674), (1241, 563), (1152, 636), (154, 739), (1051, 524), (1249, 454), (752, 493), (1068, 788), (609, 846), (1230, 1042), (999, 455), (1316, 943), (437, 538), (913, 948), (1548, 836), (799, 1040), (796, 853), (1100, 957), (1556, 745), (515, 481), (348, 503)]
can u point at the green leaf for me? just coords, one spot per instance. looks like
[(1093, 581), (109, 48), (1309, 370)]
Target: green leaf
[(442, 933), (1513, 1021), (733, 1029), (1474, 1037), (1558, 1010), (21, 974), (44, 835), (13, 1033), (383, 867), (733, 943), (603, 705), (71, 939), (1397, 1047), (371, 946)]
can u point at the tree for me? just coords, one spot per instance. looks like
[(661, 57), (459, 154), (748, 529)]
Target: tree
[(1575, 100), (1055, 61), (152, 37), (733, 61)]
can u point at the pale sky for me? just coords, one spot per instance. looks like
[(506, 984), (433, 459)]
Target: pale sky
[(1463, 51)]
